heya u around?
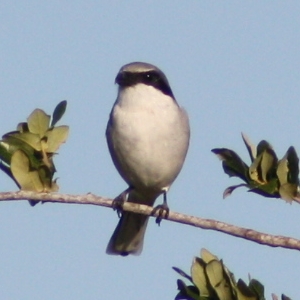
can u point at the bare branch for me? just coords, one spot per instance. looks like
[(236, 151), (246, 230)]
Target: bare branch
[(245, 233)]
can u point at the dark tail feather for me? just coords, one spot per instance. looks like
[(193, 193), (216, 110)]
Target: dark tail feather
[(128, 237)]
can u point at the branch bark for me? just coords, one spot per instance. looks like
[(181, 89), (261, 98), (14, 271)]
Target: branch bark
[(208, 224)]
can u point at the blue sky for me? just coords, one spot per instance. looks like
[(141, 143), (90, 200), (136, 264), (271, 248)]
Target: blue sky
[(233, 65)]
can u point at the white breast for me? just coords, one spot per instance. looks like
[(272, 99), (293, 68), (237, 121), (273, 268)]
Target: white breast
[(148, 137)]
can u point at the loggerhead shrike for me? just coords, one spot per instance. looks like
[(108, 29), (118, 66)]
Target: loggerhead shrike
[(148, 137)]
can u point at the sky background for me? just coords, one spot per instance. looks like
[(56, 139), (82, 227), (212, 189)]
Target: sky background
[(233, 65)]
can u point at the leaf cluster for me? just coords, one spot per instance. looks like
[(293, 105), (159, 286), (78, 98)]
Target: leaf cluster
[(211, 280), (267, 175), (26, 154)]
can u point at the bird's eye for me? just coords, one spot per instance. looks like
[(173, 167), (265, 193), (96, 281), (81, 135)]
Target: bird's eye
[(150, 77)]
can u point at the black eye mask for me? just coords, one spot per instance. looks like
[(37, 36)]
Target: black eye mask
[(154, 78)]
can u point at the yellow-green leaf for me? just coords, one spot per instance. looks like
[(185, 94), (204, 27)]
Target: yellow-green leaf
[(55, 137), (229, 276), (207, 256), (11, 144), (46, 176), (287, 173), (29, 138), (38, 122), (288, 167), (282, 170), (268, 163), (215, 274), (288, 191), (199, 277), (27, 179), (263, 165)]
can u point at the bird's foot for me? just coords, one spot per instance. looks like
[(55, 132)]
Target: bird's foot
[(163, 212), (119, 201)]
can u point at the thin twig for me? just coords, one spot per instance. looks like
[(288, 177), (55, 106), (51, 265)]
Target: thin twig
[(245, 233)]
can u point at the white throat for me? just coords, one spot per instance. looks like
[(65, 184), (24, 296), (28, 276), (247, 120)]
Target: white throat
[(142, 96)]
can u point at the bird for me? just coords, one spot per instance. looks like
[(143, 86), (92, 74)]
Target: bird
[(148, 137)]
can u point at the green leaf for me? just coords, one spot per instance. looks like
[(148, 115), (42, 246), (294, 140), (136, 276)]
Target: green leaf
[(257, 288), (288, 167), (215, 274), (263, 146), (26, 155), (293, 165), (33, 140), (265, 176), (55, 137), (268, 165), (250, 147), (58, 112), (38, 122), (244, 292), (22, 127), (233, 165), (264, 165), (288, 192), (46, 176), (187, 292), (207, 256), (287, 173), (229, 277), (269, 189), (10, 144), (5, 152), (27, 179), (199, 277), (228, 191)]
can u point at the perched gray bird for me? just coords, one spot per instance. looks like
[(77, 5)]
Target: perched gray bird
[(148, 137)]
